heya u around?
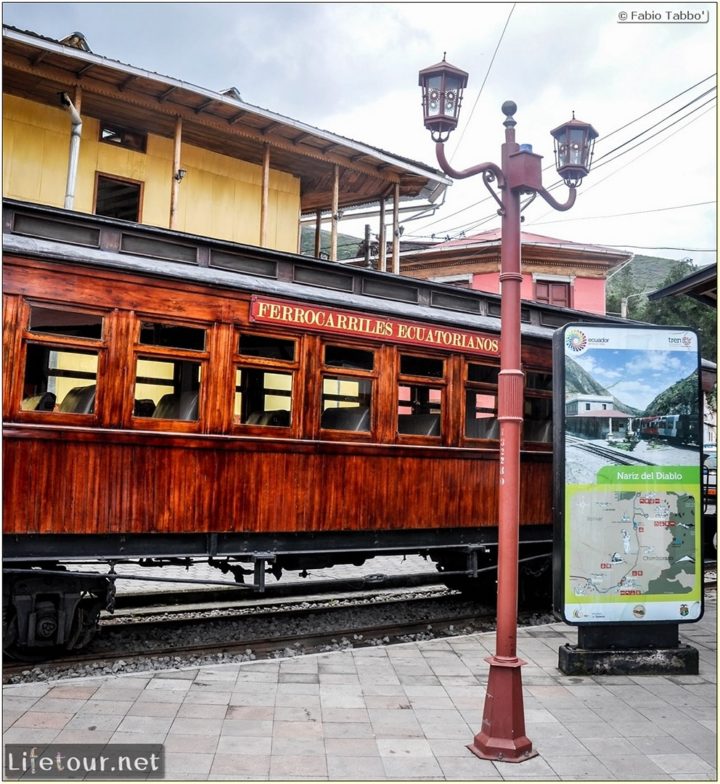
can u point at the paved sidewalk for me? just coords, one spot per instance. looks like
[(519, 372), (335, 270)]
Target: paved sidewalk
[(402, 712)]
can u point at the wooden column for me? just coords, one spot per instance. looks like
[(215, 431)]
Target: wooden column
[(265, 195), (382, 240), (175, 192), (396, 230), (335, 210)]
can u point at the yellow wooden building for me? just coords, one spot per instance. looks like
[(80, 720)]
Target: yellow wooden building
[(90, 134)]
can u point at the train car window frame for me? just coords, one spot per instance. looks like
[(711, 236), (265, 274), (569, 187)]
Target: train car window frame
[(423, 423), (261, 420), (348, 422), (482, 384), (81, 401), (537, 392), (179, 409)]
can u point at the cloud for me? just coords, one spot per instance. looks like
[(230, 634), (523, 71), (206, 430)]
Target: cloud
[(351, 68)]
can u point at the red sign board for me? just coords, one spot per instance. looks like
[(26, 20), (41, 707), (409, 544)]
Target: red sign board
[(345, 322)]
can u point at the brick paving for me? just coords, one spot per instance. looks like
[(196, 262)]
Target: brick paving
[(400, 712)]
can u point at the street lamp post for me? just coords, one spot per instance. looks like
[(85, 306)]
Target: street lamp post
[(502, 736)]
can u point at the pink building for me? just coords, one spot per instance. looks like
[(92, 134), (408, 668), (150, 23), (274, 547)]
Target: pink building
[(557, 272)]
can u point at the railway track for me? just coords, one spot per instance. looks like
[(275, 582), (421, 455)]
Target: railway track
[(232, 634), (162, 636), (615, 455)]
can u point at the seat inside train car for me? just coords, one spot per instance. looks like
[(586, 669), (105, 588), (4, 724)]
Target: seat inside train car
[(356, 418), (487, 427), (182, 406), (279, 418), (43, 402), (419, 424), (79, 400)]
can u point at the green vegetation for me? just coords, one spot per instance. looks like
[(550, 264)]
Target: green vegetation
[(348, 246), (647, 273), (680, 398)]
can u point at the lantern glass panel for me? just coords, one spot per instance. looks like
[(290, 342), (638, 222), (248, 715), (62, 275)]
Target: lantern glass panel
[(577, 147), (433, 92), (452, 90)]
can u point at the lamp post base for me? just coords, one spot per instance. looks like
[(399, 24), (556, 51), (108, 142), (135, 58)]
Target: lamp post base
[(502, 738)]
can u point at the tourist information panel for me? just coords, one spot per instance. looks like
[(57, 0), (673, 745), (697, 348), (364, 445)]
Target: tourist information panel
[(628, 447)]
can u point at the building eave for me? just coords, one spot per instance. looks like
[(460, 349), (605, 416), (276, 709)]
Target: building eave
[(37, 67)]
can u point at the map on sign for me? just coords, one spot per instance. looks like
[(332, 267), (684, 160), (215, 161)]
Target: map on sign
[(638, 544), (630, 450)]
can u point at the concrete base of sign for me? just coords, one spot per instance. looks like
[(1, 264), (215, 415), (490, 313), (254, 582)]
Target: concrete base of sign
[(683, 660), (616, 649)]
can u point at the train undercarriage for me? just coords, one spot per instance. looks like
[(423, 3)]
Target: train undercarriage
[(53, 604)]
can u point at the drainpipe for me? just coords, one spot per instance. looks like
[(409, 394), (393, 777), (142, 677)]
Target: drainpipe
[(75, 134)]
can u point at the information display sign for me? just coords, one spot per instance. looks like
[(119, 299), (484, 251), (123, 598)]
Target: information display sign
[(628, 451)]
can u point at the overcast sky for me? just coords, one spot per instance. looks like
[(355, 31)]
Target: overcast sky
[(351, 68)]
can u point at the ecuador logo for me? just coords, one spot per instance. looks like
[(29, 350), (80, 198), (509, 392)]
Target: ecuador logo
[(576, 340)]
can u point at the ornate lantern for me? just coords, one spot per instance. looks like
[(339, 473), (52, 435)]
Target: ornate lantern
[(442, 89), (574, 142)]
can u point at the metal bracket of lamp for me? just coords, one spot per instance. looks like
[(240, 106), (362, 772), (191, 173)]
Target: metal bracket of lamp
[(502, 737)]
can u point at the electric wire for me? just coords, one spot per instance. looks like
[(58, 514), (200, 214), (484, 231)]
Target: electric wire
[(637, 157), (626, 214), (600, 161), (487, 74)]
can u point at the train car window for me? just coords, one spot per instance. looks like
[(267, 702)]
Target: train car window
[(346, 403), (540, 381), (167, 388), (59, 379), (481, 415), (251, 345), (481, 401), (419, 410), (172, 336), (421, 366), (264, 385), (537, 426), (263, 397), (342, 356), (487, 374), (420, 404), (72, 323)]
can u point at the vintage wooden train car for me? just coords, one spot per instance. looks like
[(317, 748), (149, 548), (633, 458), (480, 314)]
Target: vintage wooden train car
[(171, 396)]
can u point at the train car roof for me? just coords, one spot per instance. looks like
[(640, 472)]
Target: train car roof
[(65, 236)]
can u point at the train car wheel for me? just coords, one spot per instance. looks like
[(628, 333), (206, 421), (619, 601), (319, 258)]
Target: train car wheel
[(45, 612)]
